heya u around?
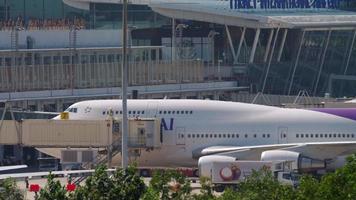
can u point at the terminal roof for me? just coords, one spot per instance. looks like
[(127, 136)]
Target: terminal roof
[(219, 12)]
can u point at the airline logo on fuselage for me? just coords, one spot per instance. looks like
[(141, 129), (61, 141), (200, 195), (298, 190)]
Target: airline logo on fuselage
[(167, 126)]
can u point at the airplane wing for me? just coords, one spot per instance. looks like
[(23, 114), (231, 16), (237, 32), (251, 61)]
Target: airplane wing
[(5, 168), (320, 150)]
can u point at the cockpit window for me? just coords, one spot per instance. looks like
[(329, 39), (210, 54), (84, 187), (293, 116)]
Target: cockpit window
[(72, 110)]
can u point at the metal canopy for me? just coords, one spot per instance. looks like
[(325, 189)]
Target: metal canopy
[(219, 12)]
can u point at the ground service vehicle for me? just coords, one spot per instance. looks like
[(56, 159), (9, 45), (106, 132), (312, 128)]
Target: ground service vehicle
[(230, 173)]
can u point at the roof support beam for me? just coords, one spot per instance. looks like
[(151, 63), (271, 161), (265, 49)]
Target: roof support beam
[(281, 47), (231, 44), (322, 62), (268, 45), (242, 39), (254, 46), (296, 63), (270, 60), (350, 53)]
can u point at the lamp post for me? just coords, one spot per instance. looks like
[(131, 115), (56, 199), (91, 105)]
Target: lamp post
[(180, 28), (124, 76)]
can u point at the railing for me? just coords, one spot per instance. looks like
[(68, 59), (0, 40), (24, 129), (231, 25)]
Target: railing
[(20, 78)]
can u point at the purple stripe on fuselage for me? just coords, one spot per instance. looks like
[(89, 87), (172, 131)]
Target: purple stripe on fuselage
[(349, 113)]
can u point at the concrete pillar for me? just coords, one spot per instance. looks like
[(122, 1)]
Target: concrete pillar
[(1, 152)]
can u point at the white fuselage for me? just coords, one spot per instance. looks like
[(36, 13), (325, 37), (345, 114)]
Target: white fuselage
[(191, 125)]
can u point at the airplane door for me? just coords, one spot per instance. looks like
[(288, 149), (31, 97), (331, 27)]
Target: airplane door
[(282, 135), (180, 132)]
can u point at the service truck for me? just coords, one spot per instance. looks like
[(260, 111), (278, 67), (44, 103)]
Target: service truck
[(223, 173)]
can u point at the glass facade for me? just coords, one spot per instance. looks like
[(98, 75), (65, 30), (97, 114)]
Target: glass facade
[(38, 9), (108, 16), (100, 15), (323, 53)]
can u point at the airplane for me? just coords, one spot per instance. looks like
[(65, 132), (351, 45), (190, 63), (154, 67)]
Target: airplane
[(197, 130)]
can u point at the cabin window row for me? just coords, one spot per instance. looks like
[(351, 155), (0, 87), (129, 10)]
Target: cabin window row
[(224, 136), (177, 112), (334, 135), (129, 112)]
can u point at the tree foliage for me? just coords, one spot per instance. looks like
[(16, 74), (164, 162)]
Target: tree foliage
[(9, 190), (172, 185), (123, 184), (53, 190)]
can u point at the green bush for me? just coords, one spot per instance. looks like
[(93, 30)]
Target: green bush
[(9, 190)]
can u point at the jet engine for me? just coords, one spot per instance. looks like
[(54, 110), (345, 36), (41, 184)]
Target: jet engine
[(298, 161)]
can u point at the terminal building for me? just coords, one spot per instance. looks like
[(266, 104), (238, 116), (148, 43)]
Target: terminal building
[(56, 52)]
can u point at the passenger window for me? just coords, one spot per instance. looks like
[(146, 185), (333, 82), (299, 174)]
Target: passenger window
[(138, 112), (160, 112), (186, 112), (245, 135), (164, 112), (316, 135), (215, 135), (306, 135), (343, 135), (191, 112), (254, 135), (197, 135), (297, 135), (193, 136), (224, 135), (169, 112), (206, 135), (219, 135), (188, 135), (173, 112), (311, 135), (130, 112), (268, 135), (211, 135), (104, 112), (348, 135), (352, 135), (143, 112), (120, 112), (117, 112), (321, 135), (232, 135), (228, 135), (237, 136), (301, 135), (133, 112), (339, 135), (177, 112)]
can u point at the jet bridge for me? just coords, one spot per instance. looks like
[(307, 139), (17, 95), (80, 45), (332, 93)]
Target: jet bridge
[(143, 133)]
